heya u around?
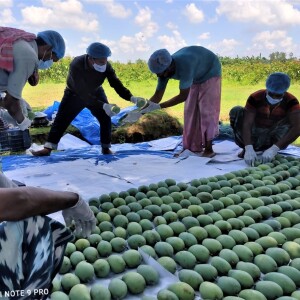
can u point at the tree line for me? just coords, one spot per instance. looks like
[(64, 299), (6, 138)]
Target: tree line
[(244, 70)]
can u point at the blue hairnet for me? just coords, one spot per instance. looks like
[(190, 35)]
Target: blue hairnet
[(159, 61), (54, 39), (98, 50), (278, 83)]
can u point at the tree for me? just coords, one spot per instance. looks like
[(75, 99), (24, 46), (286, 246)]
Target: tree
[(280, 56)]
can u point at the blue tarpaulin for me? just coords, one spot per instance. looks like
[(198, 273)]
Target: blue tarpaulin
[(86, 123)]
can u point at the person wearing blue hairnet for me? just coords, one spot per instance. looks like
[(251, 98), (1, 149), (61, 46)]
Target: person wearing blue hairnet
[(84, 90), (22, 54), (270, 120), (199, 73)]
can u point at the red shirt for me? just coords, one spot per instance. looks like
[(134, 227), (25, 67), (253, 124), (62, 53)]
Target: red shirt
[(268, 115)]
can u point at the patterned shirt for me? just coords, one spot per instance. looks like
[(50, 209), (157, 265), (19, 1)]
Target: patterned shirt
[(268, 115)]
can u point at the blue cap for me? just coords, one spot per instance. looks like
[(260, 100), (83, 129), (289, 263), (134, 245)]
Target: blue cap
[(159, 61), (98, 50), (278, 83), (54, 39)]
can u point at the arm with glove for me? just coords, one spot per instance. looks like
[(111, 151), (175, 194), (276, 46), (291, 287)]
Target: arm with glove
[(250, 155), (153, 103), (33, 201)]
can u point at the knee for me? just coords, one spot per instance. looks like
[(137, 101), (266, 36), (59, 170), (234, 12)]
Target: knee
[(235, 111)]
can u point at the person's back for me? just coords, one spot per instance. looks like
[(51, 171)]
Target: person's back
[(198, 62)]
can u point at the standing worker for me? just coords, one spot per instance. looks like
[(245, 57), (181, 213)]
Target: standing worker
[(21, 55), (84, 89), (270, 120), (199, 73)]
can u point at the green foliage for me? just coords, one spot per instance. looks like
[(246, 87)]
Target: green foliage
[(252, 71), (129, 72), (244, 71), (133, 72), (57, 73)]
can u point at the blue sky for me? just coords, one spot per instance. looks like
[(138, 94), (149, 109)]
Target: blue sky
[(134, 29)]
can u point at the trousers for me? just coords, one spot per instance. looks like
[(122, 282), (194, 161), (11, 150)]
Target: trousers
[(262, 138), (70, 106)]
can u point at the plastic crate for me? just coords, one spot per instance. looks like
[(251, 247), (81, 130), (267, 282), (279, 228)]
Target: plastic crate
[(14, 139)]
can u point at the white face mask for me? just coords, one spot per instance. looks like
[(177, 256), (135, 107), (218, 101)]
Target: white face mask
[(99, 68), (45, 64), (273, 101)]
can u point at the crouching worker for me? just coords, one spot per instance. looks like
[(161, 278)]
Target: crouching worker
[(32, 245), (270, 120)]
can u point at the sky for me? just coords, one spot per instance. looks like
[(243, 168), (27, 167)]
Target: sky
[(135, 29)]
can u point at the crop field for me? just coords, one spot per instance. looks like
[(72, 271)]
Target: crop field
[(231, 236)]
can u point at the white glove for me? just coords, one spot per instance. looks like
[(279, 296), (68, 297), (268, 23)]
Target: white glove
[(25, 124), (132, 117), (269, 154), (151, 106), (250, 155), (82, 216), (139, 101), (111, 109)]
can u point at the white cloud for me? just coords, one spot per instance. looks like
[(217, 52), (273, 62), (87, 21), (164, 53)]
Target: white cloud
[(143, 16), (172, 43), (65, 14), (226, 47), (6, 3), (193, 14), (7, 17), (129, 44), (273, 41), (115, 9), (204, 36), (144, 20), (268, 12), (171, 25), (68, 6)]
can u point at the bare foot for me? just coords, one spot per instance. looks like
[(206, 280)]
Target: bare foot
[(43, 152), (241, 154), (209, 154), (106, 151)]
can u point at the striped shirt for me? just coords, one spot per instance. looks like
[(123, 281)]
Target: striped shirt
[(268, 115)]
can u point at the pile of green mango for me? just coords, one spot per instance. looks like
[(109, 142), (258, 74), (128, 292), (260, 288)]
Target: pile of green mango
[(231, 236)]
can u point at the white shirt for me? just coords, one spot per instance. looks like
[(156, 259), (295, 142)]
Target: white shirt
[(25, 61)]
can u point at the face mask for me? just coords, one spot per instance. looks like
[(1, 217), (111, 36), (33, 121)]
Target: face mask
[(45, 64), (99, 68), (273, 101)]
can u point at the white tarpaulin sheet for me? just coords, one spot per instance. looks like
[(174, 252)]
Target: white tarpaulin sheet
[(97, 174)]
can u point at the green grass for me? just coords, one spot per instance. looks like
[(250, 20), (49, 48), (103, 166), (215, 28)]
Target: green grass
[(43, 95)]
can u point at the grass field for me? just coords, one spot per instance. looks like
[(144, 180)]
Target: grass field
[(43, 95)]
